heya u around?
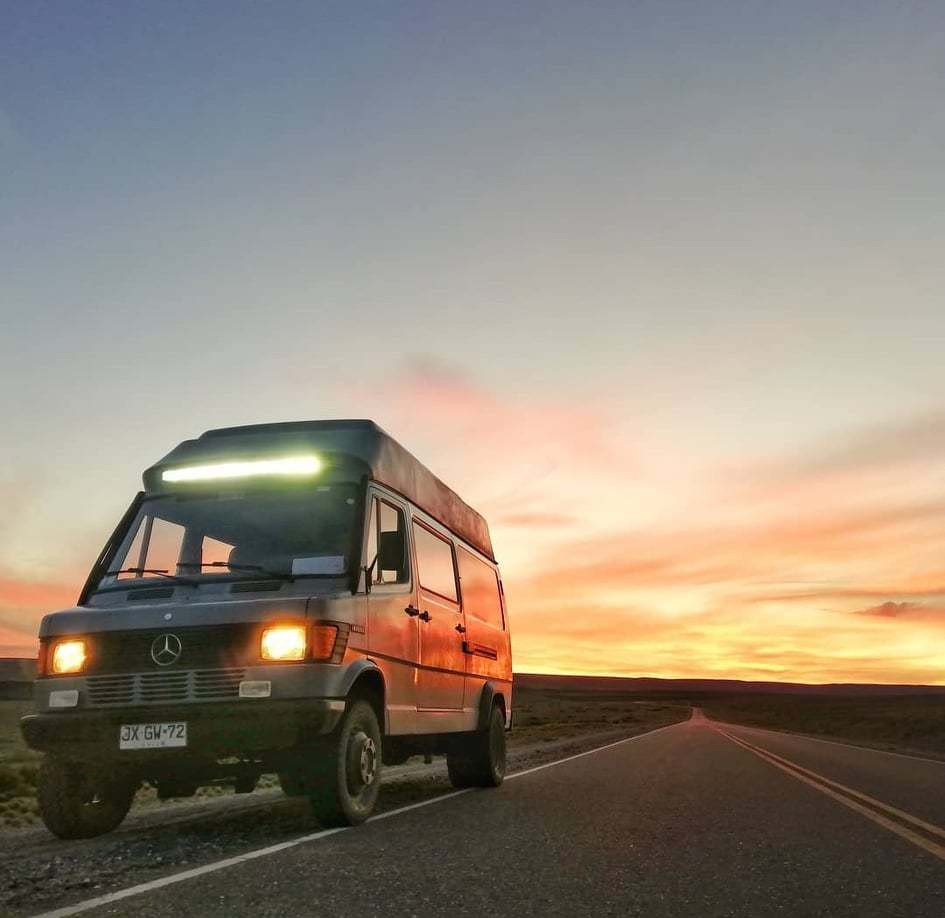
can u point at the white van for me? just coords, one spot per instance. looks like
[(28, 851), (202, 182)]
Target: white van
[(301, 598)]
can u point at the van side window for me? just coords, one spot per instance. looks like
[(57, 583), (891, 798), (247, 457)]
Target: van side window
[(434, 562), (392, 520), (480, 587), (386, 518), (370, 554)]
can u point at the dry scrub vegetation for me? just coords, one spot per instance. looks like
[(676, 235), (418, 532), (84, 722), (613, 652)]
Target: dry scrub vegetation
[(910, 723), (18, 769), (544, 715)]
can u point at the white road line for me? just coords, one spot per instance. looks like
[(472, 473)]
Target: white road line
[(187, 875), (195, 872), (817, 739)]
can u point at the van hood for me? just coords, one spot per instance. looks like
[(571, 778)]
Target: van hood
[(82, 620)]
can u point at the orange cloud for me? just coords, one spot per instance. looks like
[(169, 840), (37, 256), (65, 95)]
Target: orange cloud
[(755, 570), (22, 604), (32, 595), (16, 644)]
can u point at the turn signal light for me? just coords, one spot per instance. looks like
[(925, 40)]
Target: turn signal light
[(69, 657), (283, 642), (323, 641)]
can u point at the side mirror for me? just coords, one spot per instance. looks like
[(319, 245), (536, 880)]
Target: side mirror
[(391, 552)]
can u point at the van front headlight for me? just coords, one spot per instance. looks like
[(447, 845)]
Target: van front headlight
[(69, 657), (283, 642)]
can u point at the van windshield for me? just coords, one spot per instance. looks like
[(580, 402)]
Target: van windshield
[(293, 533)]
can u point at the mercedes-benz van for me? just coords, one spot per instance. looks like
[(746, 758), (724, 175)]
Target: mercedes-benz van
[(304, 599)]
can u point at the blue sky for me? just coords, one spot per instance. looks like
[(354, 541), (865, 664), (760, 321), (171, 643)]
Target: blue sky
[(718, 226)]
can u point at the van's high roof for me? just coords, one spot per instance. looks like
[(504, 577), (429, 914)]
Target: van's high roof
[(360, 442)]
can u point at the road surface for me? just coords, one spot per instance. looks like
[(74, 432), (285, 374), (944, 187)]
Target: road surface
[(696, 819)]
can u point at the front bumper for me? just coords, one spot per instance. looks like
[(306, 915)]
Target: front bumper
[(213, 731)]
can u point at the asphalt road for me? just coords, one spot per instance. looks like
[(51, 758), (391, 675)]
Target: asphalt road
[(696, 819)]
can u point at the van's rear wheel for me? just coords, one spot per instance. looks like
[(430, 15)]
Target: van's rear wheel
[(347, 779), (80, 800), (479, 760), (292, 784)]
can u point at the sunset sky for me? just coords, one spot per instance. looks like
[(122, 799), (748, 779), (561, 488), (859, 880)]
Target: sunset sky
[(657, 287)]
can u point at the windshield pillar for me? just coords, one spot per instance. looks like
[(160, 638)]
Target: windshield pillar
[(190, 552)]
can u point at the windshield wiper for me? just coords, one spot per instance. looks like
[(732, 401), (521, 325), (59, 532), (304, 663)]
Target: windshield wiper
[(141, 571), (257, 568)]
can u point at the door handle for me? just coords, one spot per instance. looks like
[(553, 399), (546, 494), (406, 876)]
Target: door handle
[(425, 616), (461, 629), (412, 611), (480, 650)]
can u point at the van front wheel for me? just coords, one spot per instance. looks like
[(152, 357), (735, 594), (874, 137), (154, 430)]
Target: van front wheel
[(82, 801), (347, 779), (478, 760)]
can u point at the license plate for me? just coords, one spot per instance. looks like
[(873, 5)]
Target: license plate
[(152, 736)]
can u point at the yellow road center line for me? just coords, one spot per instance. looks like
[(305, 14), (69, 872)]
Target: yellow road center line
[(820, 783), (872, 801)]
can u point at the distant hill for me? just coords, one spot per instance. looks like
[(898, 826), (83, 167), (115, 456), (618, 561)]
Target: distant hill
[(649, 685), (16, 677)]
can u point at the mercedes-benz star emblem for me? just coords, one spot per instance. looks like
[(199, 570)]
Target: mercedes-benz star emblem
[(166, 649)]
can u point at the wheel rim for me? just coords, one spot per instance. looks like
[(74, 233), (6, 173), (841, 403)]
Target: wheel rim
[(362, 761), (94, 792)]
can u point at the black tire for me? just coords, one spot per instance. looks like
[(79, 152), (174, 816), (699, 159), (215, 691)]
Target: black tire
[(292, 783), (479, 760), (347, 770), (78, 800)]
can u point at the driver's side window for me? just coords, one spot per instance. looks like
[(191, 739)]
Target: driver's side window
[(387, 543)]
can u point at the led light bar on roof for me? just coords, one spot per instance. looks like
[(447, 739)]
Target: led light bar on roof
[(297, 466)]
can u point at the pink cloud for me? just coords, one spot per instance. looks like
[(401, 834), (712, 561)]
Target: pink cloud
[(506, 445), (536, 519), (891, 609)]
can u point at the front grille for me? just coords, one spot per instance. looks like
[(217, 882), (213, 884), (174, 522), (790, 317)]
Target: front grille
[(154, 688), (218, 683), (202, 648), (111, 689), (164, 687)]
